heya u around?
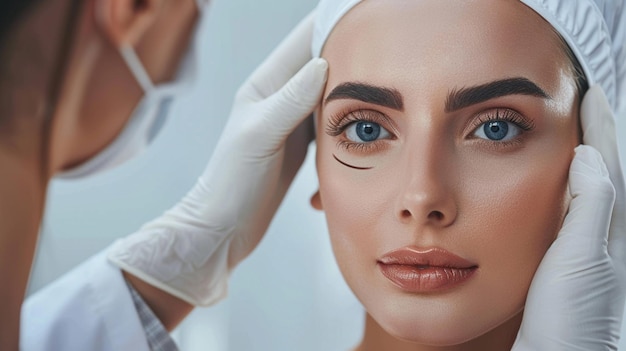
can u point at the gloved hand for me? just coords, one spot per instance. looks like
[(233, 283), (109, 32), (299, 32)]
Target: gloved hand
[(191, 249), (576, 298)]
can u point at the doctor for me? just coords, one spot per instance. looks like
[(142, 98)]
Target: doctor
[(85, 87)]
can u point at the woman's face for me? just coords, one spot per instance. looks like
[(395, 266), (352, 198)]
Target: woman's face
[(444, 143)]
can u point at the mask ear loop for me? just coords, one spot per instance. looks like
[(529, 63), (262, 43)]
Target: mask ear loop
[(136, 67), (58, 77)]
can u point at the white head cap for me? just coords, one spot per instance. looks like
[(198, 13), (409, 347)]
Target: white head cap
[(595, 30)]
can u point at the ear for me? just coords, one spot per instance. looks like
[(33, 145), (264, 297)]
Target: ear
[(316, 201), (124, 22)]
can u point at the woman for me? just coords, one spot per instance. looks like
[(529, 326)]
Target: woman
[(445, 139)]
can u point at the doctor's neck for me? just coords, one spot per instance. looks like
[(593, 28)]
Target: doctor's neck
[(32, 37), (22, 197)]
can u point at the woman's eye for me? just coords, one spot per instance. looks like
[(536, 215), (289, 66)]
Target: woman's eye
[(497, 131), (365, 132)]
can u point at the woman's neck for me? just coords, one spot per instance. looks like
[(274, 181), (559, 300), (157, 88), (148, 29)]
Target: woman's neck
[(375, 338)]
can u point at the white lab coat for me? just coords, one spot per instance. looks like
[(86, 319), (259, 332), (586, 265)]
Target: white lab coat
[(88, 309)]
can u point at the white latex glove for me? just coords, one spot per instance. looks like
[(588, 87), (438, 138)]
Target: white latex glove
[(191, 249), (576, 299)]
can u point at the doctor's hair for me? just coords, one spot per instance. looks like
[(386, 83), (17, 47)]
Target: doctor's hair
[(10, 13), (14, 12), (13, 48)]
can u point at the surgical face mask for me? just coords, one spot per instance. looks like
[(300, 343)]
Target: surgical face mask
[(149, 115)]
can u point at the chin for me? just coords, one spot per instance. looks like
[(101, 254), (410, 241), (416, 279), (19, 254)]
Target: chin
[(432, 333), (437, 323)]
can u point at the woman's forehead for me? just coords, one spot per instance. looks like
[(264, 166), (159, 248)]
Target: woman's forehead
[(392, 42)]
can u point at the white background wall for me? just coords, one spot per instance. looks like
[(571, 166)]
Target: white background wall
[(288, 295)]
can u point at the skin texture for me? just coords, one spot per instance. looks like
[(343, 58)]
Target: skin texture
[(48, 127), (433, 182)]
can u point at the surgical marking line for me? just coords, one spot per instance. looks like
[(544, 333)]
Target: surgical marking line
[(351, 166)]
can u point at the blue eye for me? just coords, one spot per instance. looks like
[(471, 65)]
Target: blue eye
[(365, 132), (497, 131)]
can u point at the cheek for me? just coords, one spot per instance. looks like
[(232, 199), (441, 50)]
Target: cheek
[(524, 197), (354, 202), (511, 217), (517, 203)]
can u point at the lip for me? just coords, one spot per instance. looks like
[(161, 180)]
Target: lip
[(423, 270)]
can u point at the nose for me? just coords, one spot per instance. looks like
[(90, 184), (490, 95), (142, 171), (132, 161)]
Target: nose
[(426, 195)]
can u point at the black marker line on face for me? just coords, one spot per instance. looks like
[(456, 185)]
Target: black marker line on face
[(347, 165)]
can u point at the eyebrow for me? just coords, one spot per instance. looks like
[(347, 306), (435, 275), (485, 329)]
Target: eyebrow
[(456, 100), (464, 97), (382, 96)]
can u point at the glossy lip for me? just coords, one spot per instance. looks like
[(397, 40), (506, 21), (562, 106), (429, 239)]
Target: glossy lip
[(423, 270)]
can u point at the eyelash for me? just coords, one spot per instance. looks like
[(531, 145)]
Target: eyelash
[(506, 115), (338, 123)]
